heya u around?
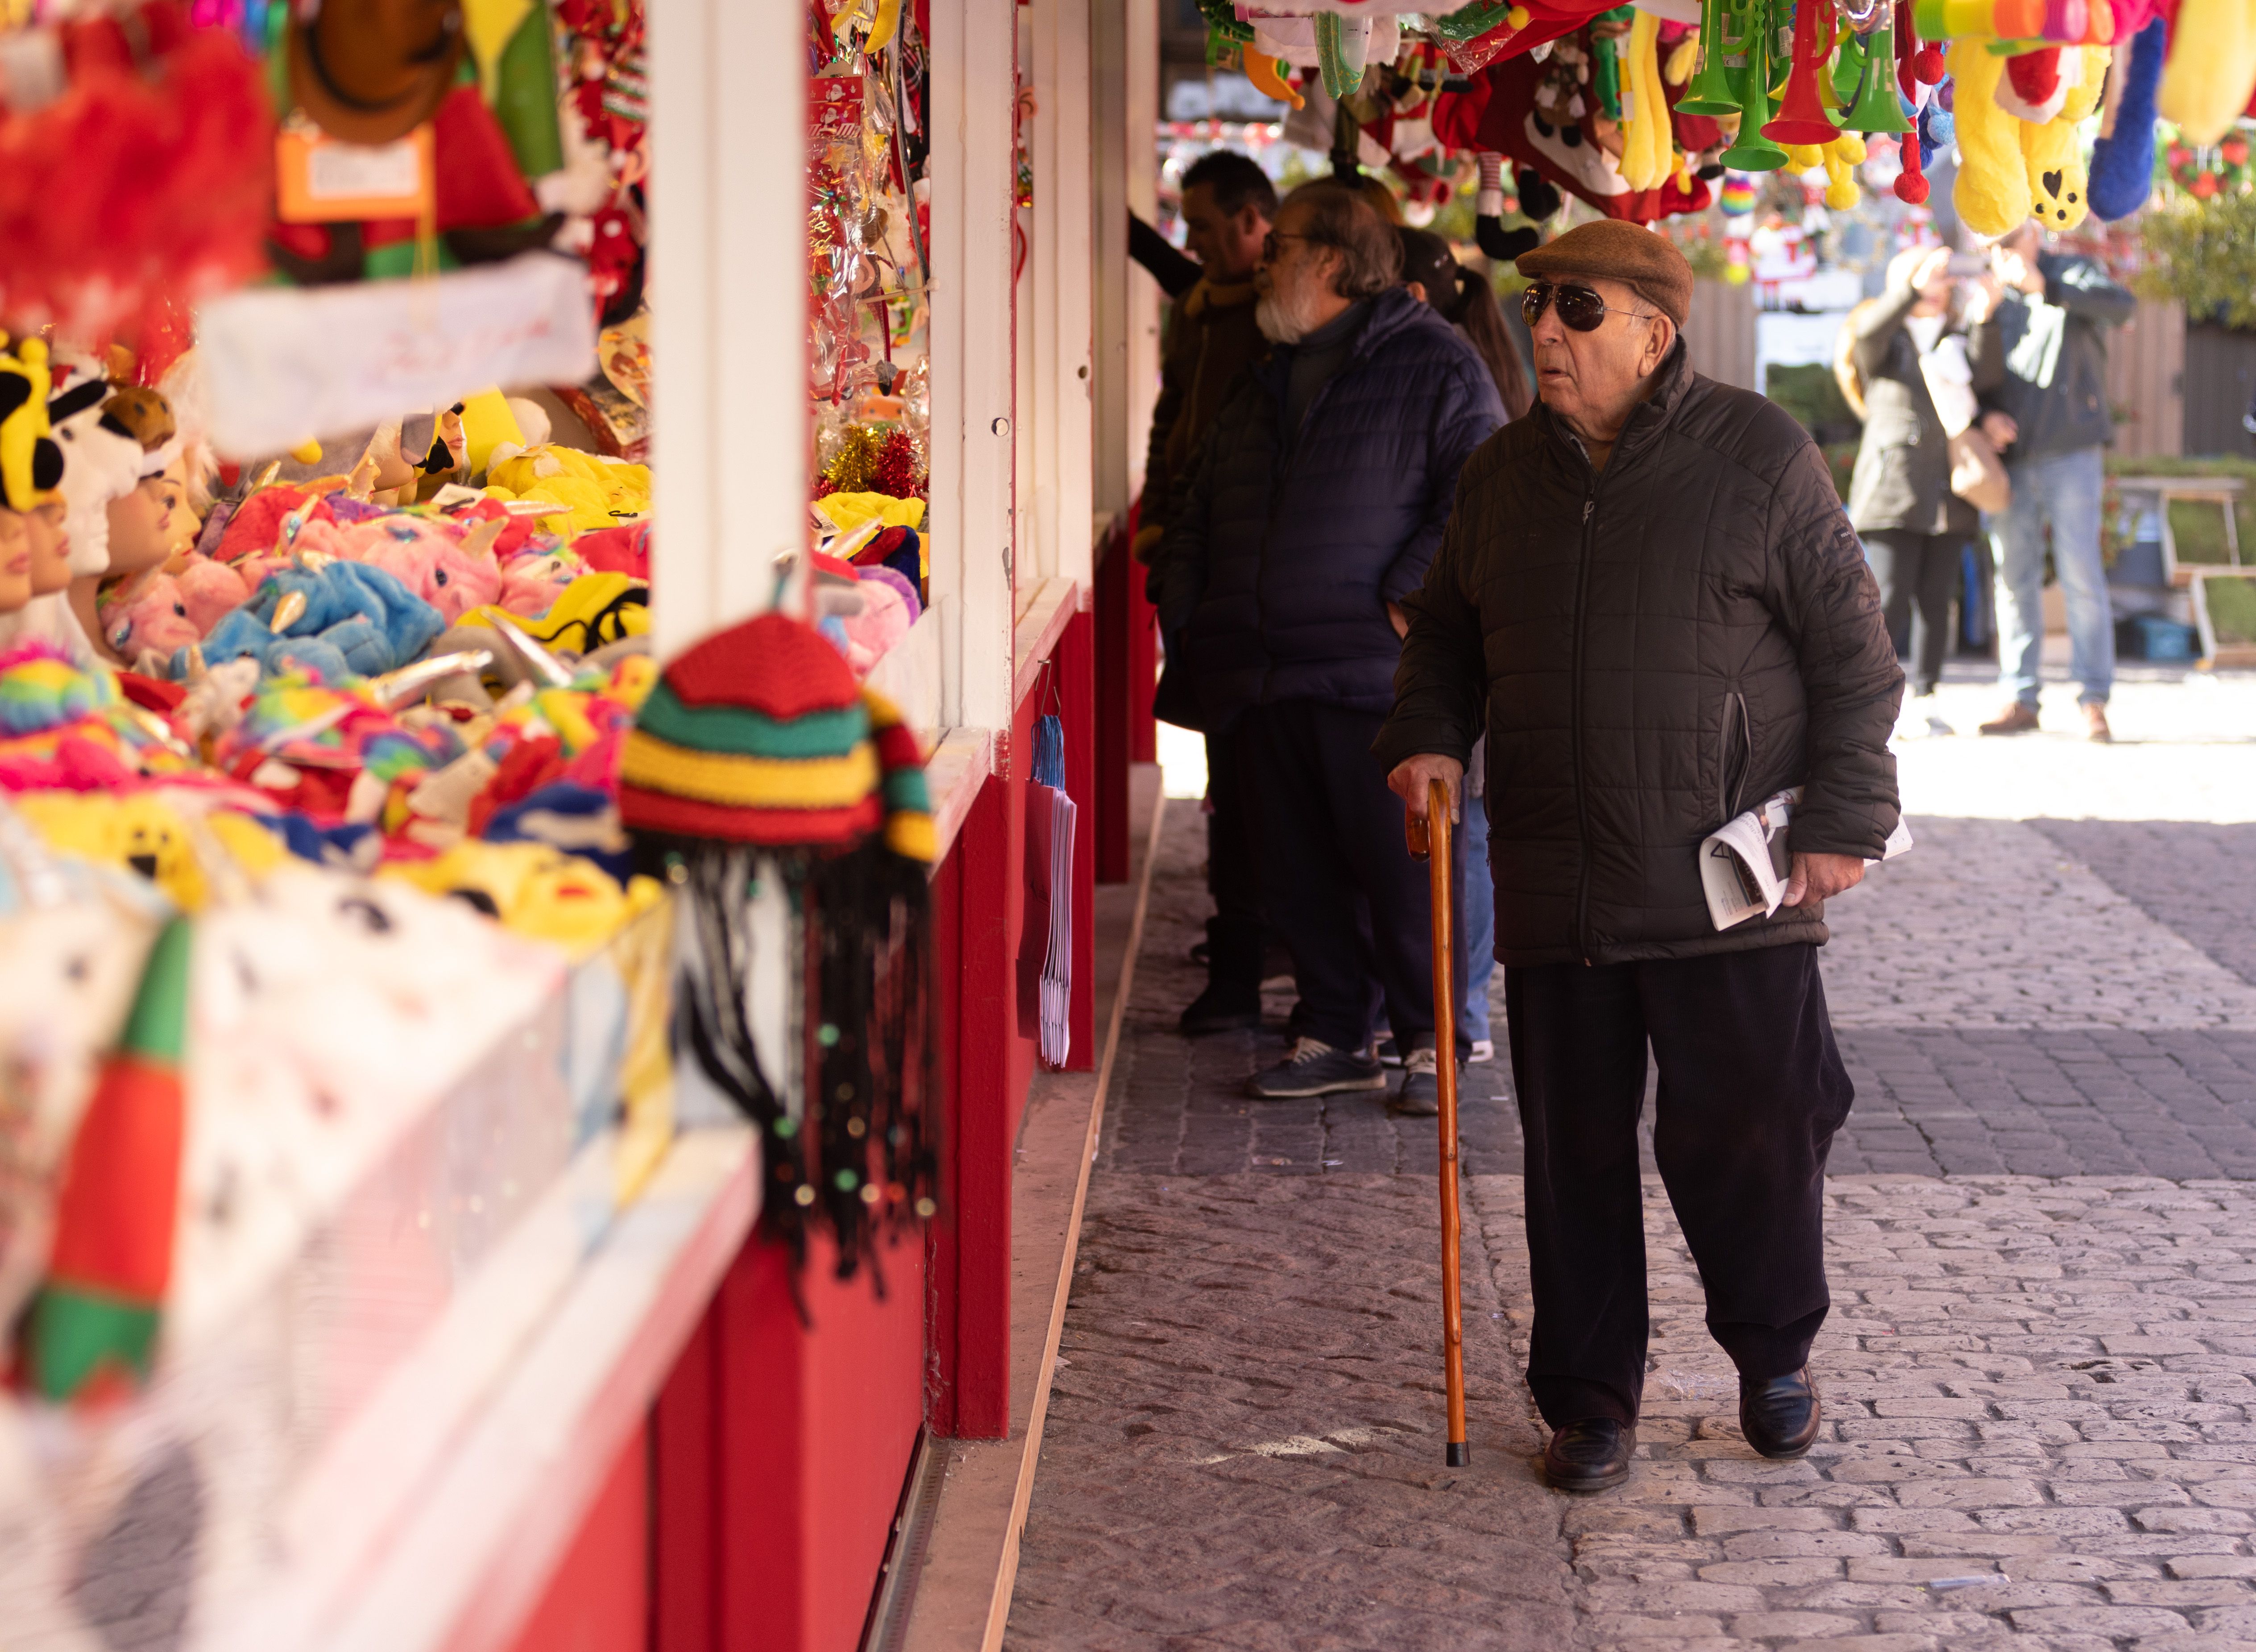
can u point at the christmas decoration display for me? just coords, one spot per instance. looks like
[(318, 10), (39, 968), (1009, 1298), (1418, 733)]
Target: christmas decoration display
[(1636, 111)]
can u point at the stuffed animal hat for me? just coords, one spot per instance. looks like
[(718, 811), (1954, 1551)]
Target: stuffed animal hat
[(30, 464), (372, 70), (756, 753), (101, 462)]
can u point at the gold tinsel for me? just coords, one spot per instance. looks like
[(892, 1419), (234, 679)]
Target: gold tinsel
[(860, 446)]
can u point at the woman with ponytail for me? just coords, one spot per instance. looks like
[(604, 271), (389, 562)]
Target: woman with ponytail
[(1463, 296)]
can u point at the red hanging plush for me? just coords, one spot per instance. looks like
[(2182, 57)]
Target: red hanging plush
[(150, 174), (1538, 115)]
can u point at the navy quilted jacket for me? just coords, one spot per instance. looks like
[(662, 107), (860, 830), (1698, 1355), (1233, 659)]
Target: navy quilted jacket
[(1650, 650), (1275, 574)]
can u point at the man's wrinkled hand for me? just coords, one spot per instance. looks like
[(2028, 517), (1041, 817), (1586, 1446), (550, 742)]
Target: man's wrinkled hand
[(1817, 877), (1413, 776)]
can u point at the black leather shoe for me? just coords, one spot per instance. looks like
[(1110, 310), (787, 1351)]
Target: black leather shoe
[(1221, 1009), (1590, 1456), (1780, 1416)]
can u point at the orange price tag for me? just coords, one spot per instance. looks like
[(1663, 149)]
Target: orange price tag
[(319, 180)]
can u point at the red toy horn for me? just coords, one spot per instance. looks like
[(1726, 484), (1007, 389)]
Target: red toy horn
[(1801, 117)]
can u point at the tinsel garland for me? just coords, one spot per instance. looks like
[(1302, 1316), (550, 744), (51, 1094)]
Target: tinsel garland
[(871, 460)]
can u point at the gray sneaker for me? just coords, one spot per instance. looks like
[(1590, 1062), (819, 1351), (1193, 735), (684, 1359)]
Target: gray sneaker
[(1420, 1094), (1315, 1068)]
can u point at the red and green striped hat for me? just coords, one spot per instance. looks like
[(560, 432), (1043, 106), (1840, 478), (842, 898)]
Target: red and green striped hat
[(760, 734)]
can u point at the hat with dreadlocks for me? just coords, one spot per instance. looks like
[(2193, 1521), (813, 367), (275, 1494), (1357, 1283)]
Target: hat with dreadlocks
[(758, 749)]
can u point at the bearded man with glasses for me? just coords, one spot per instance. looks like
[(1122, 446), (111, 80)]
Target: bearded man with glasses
[(1317, 499), (1649, 598)]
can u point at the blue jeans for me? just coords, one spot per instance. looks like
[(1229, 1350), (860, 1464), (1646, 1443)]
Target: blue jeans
[(1476, 932), (2060, 491)]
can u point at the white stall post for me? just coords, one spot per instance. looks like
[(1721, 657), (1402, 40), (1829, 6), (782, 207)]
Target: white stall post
[(973, 92), (728, 279), (1063, 240)]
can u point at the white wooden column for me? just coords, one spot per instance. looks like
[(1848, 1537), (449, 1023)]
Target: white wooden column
[(973, 92), (728, 264), (1064, 271), (1124, 80), (1143, 112)]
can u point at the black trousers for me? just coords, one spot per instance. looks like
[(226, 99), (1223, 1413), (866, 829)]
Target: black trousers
[(1751, 1090), (1328, 834), (1918, 574), (1235, 937)]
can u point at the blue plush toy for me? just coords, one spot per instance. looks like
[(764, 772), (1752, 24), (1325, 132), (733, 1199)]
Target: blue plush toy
[(2123, 167), (358, 621), (1937, 130)]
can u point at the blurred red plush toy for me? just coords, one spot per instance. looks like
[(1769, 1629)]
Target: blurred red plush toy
[(136, 163)]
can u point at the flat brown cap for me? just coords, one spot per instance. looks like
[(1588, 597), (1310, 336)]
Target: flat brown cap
[(1620, 252)]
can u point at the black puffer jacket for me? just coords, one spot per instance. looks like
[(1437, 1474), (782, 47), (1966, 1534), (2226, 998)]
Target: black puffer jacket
[(1282, 555), (1661, 645)]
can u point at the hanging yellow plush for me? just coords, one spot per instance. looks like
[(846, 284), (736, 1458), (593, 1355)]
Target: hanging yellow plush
[(1648, 153), (2212, 68), (1843, 156), (1992, 192), (2051, 156)]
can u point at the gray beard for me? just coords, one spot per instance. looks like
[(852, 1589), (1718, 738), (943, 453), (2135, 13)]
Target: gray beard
[(1280, 323)]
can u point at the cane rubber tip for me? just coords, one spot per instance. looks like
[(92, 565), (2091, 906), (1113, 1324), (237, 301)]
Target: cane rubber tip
[(1461, 1455)]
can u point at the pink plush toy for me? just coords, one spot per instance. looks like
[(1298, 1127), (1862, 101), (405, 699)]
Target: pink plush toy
[(156, 616), (453, 572), (210, 591), (882, 623), (535, 577)]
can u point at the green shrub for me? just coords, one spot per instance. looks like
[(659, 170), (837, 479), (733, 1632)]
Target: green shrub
[(2203, 254)]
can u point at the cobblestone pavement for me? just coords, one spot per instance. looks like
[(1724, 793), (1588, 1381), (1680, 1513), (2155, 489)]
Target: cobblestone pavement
[(2041, 1428)]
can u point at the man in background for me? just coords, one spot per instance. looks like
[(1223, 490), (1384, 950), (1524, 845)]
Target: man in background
[(2050, 420), (1228, 205), (1318, 499)]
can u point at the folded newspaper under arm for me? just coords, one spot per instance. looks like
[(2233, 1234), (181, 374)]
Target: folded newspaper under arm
[(1744, 863)]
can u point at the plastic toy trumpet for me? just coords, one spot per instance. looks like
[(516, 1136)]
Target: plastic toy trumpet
[(1727, 31), (1802, 117)]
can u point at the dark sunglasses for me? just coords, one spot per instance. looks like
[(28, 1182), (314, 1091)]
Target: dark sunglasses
[(1579, 307)]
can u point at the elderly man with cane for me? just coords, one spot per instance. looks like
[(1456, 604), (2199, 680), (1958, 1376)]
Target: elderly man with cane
[(1649, 598)]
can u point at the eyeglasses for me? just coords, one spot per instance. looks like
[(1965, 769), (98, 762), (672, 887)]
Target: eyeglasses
[(1579, 307), (1269, 243)]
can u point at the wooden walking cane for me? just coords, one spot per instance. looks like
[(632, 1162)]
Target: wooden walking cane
[(1433, 830)]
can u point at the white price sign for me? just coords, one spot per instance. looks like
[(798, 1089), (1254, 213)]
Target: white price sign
[(286, 364)]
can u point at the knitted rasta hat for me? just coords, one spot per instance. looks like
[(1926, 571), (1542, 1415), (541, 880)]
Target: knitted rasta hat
[(756, 754), (760, 734)]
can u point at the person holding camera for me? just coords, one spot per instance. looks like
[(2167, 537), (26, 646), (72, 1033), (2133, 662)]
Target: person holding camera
[(1914, 528), (2050, 413)]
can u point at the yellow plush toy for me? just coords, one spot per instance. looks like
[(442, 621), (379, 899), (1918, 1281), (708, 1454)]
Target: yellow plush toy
[(1843, 156), (1992, 192), (140, 832), (533, 890), (595, 608), (2052, 158), (2212, 68), (1648, 152), (588, 490)]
